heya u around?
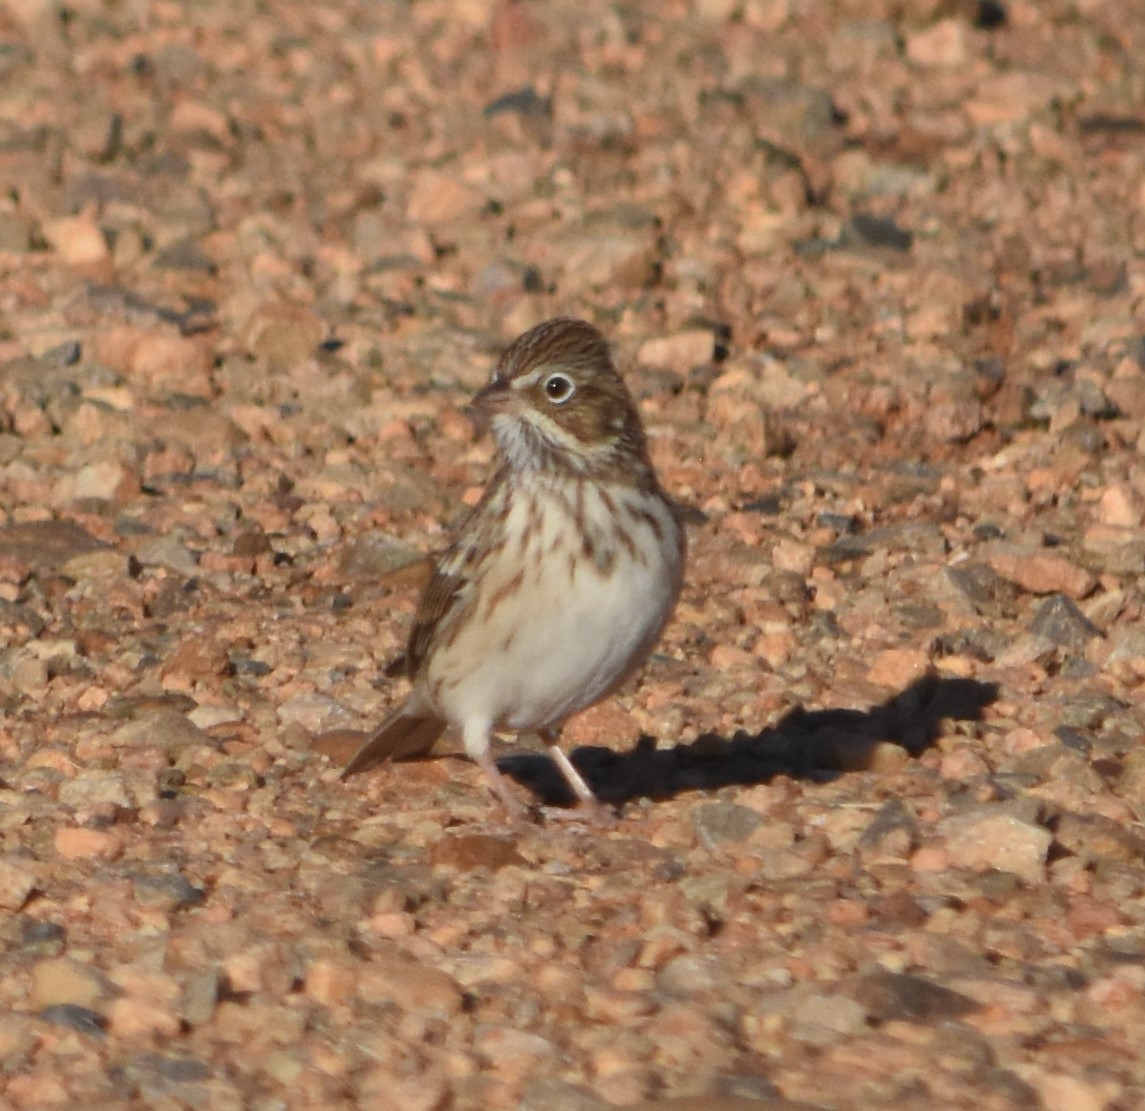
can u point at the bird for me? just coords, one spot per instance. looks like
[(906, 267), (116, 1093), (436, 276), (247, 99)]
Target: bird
[(558, 582)]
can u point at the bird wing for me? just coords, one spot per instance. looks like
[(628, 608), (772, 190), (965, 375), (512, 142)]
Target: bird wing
[(450, 592), (444, 594)]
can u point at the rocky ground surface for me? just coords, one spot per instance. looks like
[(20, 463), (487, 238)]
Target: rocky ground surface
[(876, 272)]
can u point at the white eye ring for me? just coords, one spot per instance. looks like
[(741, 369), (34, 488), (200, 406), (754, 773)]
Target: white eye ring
[(559, 388)]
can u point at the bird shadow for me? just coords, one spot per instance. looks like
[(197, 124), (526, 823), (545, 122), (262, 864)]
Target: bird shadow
[(815, 745)]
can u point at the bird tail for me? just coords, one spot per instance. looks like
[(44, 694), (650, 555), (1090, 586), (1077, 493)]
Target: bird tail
[(402, 736)]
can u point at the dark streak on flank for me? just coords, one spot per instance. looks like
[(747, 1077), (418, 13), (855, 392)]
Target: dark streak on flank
[(506, 590), (652, 521)]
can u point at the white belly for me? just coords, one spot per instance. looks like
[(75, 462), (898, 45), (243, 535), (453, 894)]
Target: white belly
[(571, 631)]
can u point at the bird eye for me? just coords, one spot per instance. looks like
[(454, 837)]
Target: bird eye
[(559, 388)]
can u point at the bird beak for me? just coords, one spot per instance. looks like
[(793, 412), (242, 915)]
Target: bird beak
[(490, 400)]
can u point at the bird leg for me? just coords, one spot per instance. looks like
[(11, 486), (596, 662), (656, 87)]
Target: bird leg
[(484, 760), (588, 805)]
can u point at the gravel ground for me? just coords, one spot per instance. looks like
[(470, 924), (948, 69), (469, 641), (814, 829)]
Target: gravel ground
[(876, 272)]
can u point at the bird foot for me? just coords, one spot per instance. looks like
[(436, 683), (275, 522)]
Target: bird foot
[(587, 812)]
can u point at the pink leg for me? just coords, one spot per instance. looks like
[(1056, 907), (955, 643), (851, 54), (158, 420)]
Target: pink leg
[(588, 805), (500, 788)]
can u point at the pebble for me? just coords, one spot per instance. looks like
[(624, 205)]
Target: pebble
[(167, 891), (592, 260), (281, 334), (78, 239), (74, 1017), (88, 844), (62, 981), (989, 838), (823, 1019), (898, 668), (942, 45), (680, 351), (1059, 621), (408, 985), (138, 1020), (904, 997), (96, 789), (169, 552), (439, 198), (1041, 572), (16, 884)]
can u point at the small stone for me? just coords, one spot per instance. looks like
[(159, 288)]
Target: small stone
[(257, 967), (108, 480), (60, 980), (201, 656), (779, 865), (437, 198), (200, 996), (375, 554), (283, 335), (680, 351), (592, 260), (332, 982), (942, 45), (962, 764), (313, 711), (720, 823), (989, 838), (74, 1017), (983, 586), (823, 1019), (79, 240), (953, 409), (684, 975), (1094, 838), (792, 557), (141, 1019), (898, 668), (102, 569), (159, 358), (726, 657), (1065, 1091), (47, 545), (1062, 623), (901, 909), (525, 101), (410, 985), (1131, 782), (1120, 506), (41, 936), (1011, 96), (505, 1047), (94, 789), (1041, 572), (168, 891), (251, 543), (466, 852), (16, 884), (863, 230), (167, 551), (161, 728), (88, 844), (902, 997)]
